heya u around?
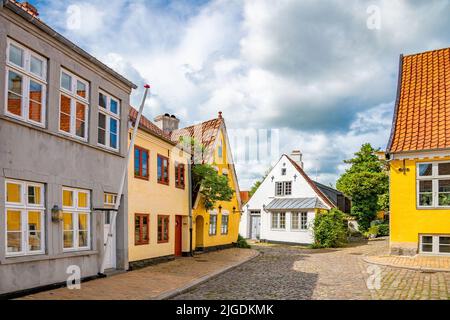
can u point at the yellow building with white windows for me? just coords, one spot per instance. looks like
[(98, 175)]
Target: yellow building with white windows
[(419, 156)]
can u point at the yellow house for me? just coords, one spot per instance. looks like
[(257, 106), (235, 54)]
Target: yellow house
[(217, 228), (419, 155), (158, 196)]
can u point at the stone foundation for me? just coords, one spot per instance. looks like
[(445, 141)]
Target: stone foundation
[(403, 249)]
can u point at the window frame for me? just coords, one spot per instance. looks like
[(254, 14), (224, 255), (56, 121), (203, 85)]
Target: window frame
[(160, 156), (75, 210), (434, 178), (109, 115), (435, 244), (212, 231), (141, 241), (224, 228), (180, 171), (141, 167), (297, 214), (74, 98), (278, 221), (281, 188), (27, 77), (25, 208), (303, 220), (165, 224)]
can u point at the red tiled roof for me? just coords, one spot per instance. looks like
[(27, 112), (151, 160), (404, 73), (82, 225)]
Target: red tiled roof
[(422, 112), (148, 126)]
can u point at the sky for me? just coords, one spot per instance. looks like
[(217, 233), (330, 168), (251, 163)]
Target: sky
[(319, 76)]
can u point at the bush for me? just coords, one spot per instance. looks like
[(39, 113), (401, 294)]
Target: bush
[(329, 229), (372, 232), (383, 230), (242, 243)]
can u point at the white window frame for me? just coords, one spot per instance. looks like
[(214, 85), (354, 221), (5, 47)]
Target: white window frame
[(211, 214), (295, 213), (303, 221), (27, 76), (24, 207), (74, 98), (109, 114), (75, 211), (278, 221), (435, 244), (224, 231), (284, 188), (434, 178)]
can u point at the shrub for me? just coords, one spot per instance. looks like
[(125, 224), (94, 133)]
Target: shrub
[(383, 230), (242, 243), (329, 229), (372, 232)]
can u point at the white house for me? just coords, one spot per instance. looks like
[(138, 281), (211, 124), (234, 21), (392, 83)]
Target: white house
[(285, 205)]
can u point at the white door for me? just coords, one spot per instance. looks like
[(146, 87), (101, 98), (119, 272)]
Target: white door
[(110, 253), (255, 227)]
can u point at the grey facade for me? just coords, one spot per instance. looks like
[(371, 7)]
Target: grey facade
[(46, 156)]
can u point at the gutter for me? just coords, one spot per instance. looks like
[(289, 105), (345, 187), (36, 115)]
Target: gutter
[(191, 251), (45, 28)]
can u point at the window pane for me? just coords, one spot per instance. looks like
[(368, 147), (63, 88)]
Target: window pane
[(15, 87), (34, 195), (144, 163), (427, 248), (67, 221), (102, 100), (427, 239), (113, 126), (14, 231), (34, 231), (35, 106), (101, 128), (144, 228), (64, 122), (68, 239), (16, 55), (425, 199), (114, 106), (113, 140), (13, 192), (66, 81), (444, 240), (113, 133), (137, 156), (102, 121), (82, 238), (80, 120), (36, 66), (81, 89), (426, 186), (444, 169), (83, 200), (444, 185), (83, 230), (137, 237), (67, 198), (425, 169), (159, 168), (444, 192)]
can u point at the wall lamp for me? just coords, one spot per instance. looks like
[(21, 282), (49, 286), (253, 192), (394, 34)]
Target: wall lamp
[(57, 214)]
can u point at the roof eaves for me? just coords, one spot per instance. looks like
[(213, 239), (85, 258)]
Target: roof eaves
[(397, 104)]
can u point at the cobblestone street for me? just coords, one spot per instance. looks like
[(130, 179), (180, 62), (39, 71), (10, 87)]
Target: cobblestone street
[(289, 272)]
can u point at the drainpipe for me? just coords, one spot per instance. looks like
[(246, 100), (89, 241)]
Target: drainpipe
[(191, 251), (122, 181)]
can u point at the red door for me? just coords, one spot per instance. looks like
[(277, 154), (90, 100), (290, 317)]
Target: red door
[(178, 228)]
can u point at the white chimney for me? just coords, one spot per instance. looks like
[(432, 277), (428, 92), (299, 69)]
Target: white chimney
[(167, 122), (297, 156)]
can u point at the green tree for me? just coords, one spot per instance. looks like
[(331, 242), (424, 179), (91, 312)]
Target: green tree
[(366, 183), (211, 185), (329, 229)]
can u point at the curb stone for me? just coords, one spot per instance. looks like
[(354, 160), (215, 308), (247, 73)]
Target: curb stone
[(191, 285), (385, 264)]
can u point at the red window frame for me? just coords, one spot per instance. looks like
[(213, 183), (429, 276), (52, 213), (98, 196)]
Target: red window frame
[(163, 169), (140, 175), (180, 172), (141, 240), (164, 223)]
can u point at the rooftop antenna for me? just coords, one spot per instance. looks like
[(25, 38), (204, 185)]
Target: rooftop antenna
[(122, 181)]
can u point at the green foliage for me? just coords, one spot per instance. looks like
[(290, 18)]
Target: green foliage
[(383, 230), (330, 229), (372, 232), (211, 185), (242, 243), (365, 182), (259, 182)]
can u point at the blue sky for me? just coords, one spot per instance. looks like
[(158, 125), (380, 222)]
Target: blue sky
[(311, 69)]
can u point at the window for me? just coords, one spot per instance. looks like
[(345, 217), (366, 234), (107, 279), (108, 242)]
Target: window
[(295, 221), (163, 229), (26, 77), (163, 169), (109, 199), (141, 228), (24, 218), (73, 106), (179, 175), (212, 223), (220, 149), (76, 219), (436, 244), (224, 224), (283, 188), (279, 220), (283, 171), (433, 185), (108, 121), (304, 221), (141, 163)]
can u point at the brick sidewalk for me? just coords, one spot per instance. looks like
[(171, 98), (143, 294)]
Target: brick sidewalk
[(419, 262), (153, 281)]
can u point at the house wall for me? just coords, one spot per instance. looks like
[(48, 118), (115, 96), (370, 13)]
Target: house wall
[(153, 198), (407, 221), (222, 163), (266, 193), (46, 156)]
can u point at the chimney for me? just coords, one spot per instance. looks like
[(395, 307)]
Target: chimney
[(167, 122), (297, 156)]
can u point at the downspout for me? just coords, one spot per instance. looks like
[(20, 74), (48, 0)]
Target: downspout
[(191, 251)]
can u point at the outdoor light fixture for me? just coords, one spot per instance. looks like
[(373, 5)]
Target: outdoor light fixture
[(220, 208), (57, 214), (272, 178)]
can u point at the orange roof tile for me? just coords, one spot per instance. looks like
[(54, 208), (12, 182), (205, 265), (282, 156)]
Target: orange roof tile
[(422, 111), (148, 126)]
